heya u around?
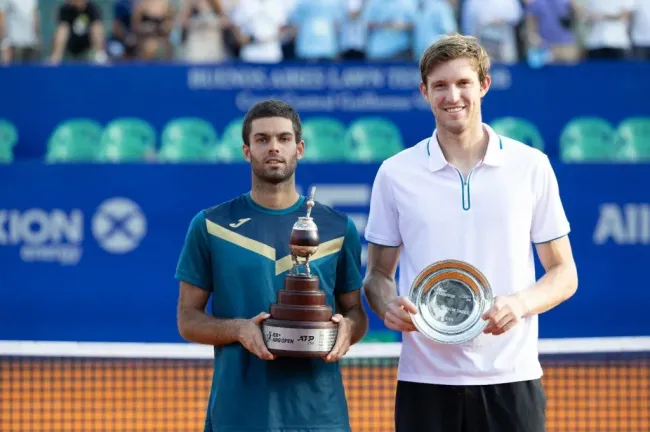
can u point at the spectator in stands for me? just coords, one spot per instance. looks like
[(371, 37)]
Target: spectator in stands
[(435, 19), (122, 42), (152, 23), (80, 33), (608, 28), (494, 23), (19, 32), (550, 24), (203, 23), (229, 33), (316, 26), (641, 30), (353, 33), (4, 42), (390, 26), (258, 27)]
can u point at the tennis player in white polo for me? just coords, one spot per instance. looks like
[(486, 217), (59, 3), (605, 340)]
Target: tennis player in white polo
[(468, 194)]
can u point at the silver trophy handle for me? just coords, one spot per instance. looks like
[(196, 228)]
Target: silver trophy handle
[(310, 200)]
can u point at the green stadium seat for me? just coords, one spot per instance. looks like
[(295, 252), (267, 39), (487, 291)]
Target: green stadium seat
[(8, 139), (229, 149), (8, 133), (372, 139), (324, 140), (519, 129), (74, 140), (587, 139), (187, 139), (6, 154), (633, 139), (128, 139)]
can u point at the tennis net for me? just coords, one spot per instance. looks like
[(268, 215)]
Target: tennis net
[(592, 385)]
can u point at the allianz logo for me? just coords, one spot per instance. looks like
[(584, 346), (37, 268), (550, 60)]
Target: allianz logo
[(627, 224)]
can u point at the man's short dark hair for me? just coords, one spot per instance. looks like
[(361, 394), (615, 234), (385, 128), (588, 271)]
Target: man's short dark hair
[(271, 108)]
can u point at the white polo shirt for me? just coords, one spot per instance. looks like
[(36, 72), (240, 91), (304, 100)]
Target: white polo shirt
[(491, 220)]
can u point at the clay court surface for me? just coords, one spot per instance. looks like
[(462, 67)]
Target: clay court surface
[(170, 395)]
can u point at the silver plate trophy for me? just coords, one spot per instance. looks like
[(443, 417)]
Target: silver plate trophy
[(450, 297)]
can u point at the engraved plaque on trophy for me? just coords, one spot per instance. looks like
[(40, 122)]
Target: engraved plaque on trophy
[(300, 324)]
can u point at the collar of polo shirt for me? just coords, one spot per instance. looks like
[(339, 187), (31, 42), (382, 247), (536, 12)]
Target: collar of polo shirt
[(493, 155)]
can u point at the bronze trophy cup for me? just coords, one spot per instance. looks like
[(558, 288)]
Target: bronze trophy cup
[(300, 324)]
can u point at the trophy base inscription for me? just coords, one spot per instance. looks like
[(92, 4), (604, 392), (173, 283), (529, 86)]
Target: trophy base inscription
[(299, 338)]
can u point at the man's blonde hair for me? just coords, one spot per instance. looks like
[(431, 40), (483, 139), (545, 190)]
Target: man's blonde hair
[(454, 47)]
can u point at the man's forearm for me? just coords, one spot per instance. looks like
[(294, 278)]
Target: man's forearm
[(358, 320), (97, 37), (556, 286), (60, 41), (379, 290), (196, 326), (2, 26)]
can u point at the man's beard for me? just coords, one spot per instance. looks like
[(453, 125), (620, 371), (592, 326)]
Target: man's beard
[(274, 175)]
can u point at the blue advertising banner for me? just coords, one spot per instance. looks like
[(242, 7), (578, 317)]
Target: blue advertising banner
[(38, 99), (88, 253)]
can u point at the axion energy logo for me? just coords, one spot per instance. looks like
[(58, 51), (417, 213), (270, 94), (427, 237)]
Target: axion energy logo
[(46, 235), (56, 235), (119, 225)]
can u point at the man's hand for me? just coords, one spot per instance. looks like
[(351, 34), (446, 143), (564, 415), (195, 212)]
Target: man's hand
[(343, 339), (397, 315), (505, 313), (250, 336)]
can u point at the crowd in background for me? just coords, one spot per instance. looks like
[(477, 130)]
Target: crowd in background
[(271, 31)]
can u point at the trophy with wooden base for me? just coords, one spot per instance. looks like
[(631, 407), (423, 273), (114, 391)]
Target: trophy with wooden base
[(300, 324)]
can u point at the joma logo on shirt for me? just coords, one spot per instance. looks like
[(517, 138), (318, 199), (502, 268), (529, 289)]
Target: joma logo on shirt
[(239, 223)]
